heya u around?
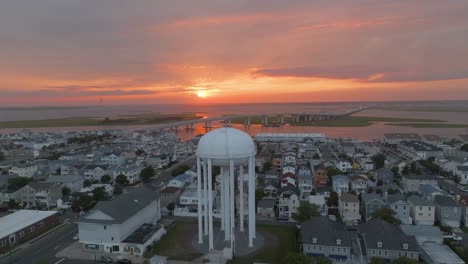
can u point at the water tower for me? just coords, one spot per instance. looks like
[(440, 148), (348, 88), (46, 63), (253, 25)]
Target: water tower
[(234, 152)]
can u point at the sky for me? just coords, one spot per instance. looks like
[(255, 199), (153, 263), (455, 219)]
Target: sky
[(68, 52)]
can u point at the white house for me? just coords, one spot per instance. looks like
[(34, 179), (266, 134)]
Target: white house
[(340, 183), (24, 169), (411, 183), (125, 225), (359, 183), (181, 180), (72, 182), (320, 202), (289, 169), (288, 203), (132, 172), (462, 173), (422, 211), (113, 159), (348, 207), (343, 165), (95, 172)]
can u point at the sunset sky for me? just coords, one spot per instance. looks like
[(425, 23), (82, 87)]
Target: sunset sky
[(71, 52)]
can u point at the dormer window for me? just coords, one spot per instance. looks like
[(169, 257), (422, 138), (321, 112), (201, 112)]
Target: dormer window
[(314, 240), (379, 244), (338, 241), (405, 246)]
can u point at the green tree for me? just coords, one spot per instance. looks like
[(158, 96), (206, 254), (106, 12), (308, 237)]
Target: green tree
[(296, 258), (106, 179), (396, 171), (405, 170), (180, 170), (267, 166), (379, 182), (305, 211), (65, 191), (332, 200), (322, 260), (147, 173), (2, 156), (464, 148), (413, 168), (387, 215), (376, 260), (379, 160), (18, 182), (171, 207), (12, 204), (100, 194), (121, 179), (117, 189), (403, 260), (87, 183), (332, 171)]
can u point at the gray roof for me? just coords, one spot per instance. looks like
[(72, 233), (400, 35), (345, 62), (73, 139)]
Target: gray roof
[(426, 189), (41, 185), (323, 188), (445, 201), (462, 168), (367, 197), (266, 203), (391, 236), (416, 200), (393, 198), (326, 232), (421, 230), (124, 206), (420, 177), (347, 197)]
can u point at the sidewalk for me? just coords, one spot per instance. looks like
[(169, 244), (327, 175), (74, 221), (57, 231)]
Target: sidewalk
[(76, 251)]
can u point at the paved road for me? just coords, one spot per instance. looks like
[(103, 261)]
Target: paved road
[(164, 176)]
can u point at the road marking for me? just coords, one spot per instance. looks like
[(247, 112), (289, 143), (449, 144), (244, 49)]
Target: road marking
[(57, 240), (60, 261)]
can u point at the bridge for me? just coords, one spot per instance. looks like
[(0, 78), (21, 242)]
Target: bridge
[(265, 119)]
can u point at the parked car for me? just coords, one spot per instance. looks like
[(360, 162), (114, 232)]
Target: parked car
[(76, 237), (124, 261), (105, 260)]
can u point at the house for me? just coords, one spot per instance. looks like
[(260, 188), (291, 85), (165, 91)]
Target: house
[(411, 183), (10, 194), (270, 187), (387, 241), (272, 174), (170, 195), (428, 192), (424, 234), (42, 194), (462, 173), (367, 164), (108, 228), (385, 175), (113, 159), (181, 180), (435, 253), (277, 161), (24, 169), (359, 183), (340, 183), (320, 202), (71, 181), (288, 203), (397, 203), (266, 208), (343, 165), (305, 185), (464, 203), (23, 225), (289, 169), (321, 237), (95, 172), (290, 159), (422, 211), (132, 172), (370, 204), (448, 212), (288, 179), (348, 207), (323, 190), (320, 175)]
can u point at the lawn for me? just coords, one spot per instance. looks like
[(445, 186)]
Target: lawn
[(360, 121), (177, 243), (279, 241), (146, 119)]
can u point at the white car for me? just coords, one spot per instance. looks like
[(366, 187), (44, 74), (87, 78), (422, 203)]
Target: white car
[(76, 237)]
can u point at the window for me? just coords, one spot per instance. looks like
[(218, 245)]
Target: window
[(344, 250), (379, 244), (105, 227), (338, 250), (21, 234), (314, 240), (338, 241), (333, 249), (405, 246), (41, 224), (2, 243), (32, 228), (373, 252), (385, 253)]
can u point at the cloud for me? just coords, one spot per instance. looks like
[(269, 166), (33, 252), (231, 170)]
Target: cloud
[(364, 73)]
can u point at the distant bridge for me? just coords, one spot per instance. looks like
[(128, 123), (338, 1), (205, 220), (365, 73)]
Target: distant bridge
[(227, 119)]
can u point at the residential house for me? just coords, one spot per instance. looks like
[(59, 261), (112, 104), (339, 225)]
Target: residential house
[(113, 159), (448, 212), (321, 237), (277, 161), (71, 181), (422, 211), (288, 179), (24, 169), (109, 229), (464, 202), (320, 202), (181, 180), (290, 159), (387, 241), (401, 207), (266, 208), (358, 183), (272, 174), (42, 194), (462, 173), (320, 175), (271, 187), (343, 165), (340, 183), (348, 207), (95, 172), (411, 183), (370, 204), (424, 234), (10, 194), (367, 164), (385, 175), (428, 192), (289, 169), (170, 195), (323, 190), (304, 176), (288, 202), (132, 172)]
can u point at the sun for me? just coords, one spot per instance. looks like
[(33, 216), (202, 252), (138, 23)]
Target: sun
[(202, 94)]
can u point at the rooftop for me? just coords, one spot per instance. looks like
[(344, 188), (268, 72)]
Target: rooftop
[(347, 197), (440, 253), (21, 219), (326, 232), (142, 234)]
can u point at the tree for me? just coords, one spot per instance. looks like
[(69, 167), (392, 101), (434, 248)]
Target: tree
[(387, 215), (405, 170), (376, 260), (2, 156), (121, 179), (379, 182), (267, 166), (171, 207), (332, 171), (117, 189), (379, 161), (106, 179), (322, 260), (403, 260), (147, 173), (65, 191), (464, 148), (100, 194), (333, 199), (316, 156), (396, 171), (12, 204), (296, 258), (413, 168), (87, 183), (181, 169), (18, 182), (140, 152), (305, 211)]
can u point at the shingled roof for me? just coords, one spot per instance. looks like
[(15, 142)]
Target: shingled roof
[(391, 236), (326, 232)]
